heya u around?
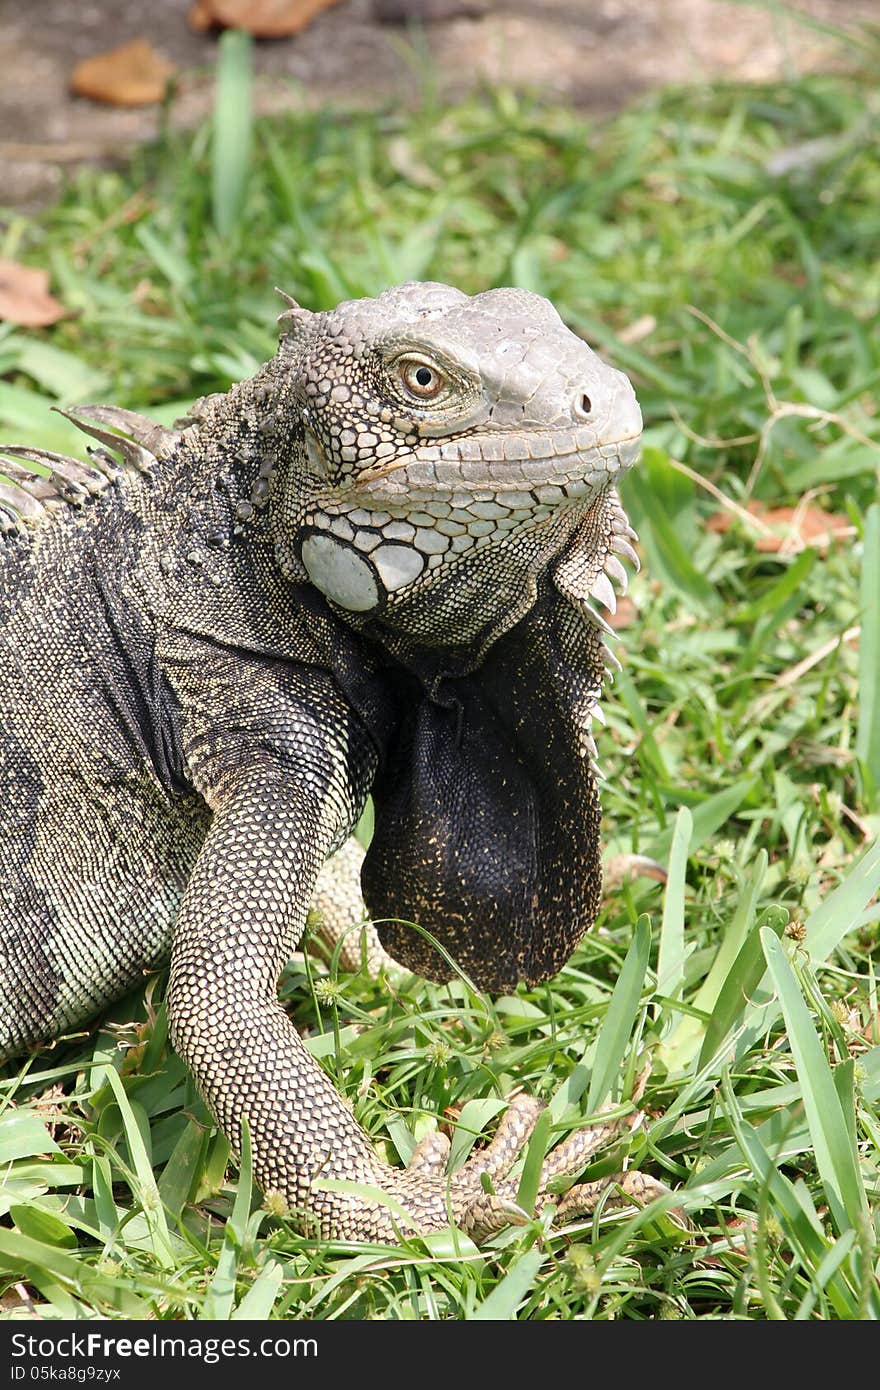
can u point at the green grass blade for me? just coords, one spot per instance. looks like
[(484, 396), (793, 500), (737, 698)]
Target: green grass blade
[(650, 752), (26, 1258), (670, 964), (829, 1127), (260, 1298), (23, 1134), (570, 1090), (62, 373), (621, 1015), (527, 1191), (868, 734), (168, 259), (772, 603), (221, 1294), (34, 1220), (504, 1300), (660, 531), (790, 1201), (841, 911), (742, 980), (475, 1115), (231, 149), (688, 1036), (734, 937), (151, 1202), (708, 814), (825, 1272), (106, 1216), (176, 1181)]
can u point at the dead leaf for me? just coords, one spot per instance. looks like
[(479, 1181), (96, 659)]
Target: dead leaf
[(265, 19), (133, 75), (200, 17), (25, 297), (793, 528)]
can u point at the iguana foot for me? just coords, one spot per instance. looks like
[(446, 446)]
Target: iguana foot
[(481, 1212)]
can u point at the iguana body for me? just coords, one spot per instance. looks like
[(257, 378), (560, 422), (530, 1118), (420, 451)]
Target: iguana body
[(367, 568)]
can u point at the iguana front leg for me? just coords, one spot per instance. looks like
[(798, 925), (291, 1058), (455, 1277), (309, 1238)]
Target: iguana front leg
[(285, 782), (277, 815), (241, 917)]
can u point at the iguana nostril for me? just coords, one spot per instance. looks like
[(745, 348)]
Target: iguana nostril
[(583, 406)]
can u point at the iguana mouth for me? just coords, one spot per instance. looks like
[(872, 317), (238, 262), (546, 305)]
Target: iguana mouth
[(508, 460)]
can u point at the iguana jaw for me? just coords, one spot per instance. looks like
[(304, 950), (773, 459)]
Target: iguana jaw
[(563, 463), (401, 531)]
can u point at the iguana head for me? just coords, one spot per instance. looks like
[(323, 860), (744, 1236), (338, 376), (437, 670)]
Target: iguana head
[(450, 490), (453, 447)]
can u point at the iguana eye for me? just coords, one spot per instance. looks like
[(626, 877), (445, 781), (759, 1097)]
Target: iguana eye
[(421, 378)]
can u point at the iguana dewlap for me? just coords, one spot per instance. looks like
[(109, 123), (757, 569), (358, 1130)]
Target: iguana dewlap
[(370, 568)]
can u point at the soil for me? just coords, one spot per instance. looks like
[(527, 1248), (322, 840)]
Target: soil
[(597, 54)]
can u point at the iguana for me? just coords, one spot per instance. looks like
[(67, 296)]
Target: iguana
[(370, 568)]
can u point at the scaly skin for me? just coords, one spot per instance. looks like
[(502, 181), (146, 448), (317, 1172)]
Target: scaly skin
[(369, 568)]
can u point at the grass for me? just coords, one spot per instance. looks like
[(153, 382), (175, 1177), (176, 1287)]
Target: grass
[(721, 247)]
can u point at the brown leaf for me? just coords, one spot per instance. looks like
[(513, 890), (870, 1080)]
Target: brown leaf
[(792, 528), (25, 297), (200, 17), (266, 19), (132, 75)]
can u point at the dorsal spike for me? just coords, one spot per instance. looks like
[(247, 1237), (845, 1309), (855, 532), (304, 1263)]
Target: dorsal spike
[(151, 440), (295, 319), (67, 476), (36, 484), (20, 505), (29, 498)]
